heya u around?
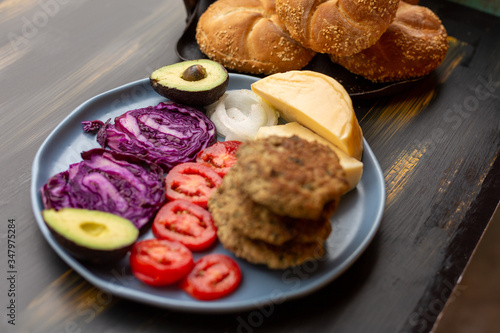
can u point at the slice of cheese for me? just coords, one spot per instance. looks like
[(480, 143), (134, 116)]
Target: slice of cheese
[(353, 168), (316, 101)]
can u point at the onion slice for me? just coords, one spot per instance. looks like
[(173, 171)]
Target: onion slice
[(239, 114)]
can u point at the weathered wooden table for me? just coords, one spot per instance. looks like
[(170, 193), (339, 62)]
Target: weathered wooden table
[(436, 141)]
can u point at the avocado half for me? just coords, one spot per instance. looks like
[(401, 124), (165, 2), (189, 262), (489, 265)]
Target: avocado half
[(194, 82), (90, 235)]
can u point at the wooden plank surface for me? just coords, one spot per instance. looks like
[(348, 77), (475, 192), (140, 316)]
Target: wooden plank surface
[(437, 143)]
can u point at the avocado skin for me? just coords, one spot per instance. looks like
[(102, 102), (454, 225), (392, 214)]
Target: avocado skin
[(192, 98), (87, 254), (196, 98)]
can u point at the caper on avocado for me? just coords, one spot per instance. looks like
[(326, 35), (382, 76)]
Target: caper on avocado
[(194, 82)]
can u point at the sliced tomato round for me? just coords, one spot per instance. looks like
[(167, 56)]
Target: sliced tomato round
[(213, 276), (191, 181), (220, 156), (160, 262), (187, 223)]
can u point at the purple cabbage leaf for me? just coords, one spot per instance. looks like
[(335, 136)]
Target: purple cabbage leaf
[(166, 134), (118, 183)]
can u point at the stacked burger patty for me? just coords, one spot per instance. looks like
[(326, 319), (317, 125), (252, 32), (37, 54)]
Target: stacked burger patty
[(274, 205)]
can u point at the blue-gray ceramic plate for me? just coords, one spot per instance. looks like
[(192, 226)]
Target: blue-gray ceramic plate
[(354, 223)]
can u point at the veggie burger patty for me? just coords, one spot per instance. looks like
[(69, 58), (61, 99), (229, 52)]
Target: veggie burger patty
[(273, 207)]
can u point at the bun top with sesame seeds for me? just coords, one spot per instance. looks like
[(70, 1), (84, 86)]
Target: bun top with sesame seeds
[(340, 27), (247, 36), (414, 45)]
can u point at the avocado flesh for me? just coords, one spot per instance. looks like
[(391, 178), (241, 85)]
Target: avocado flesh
[(91, 235), (168, 81)]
